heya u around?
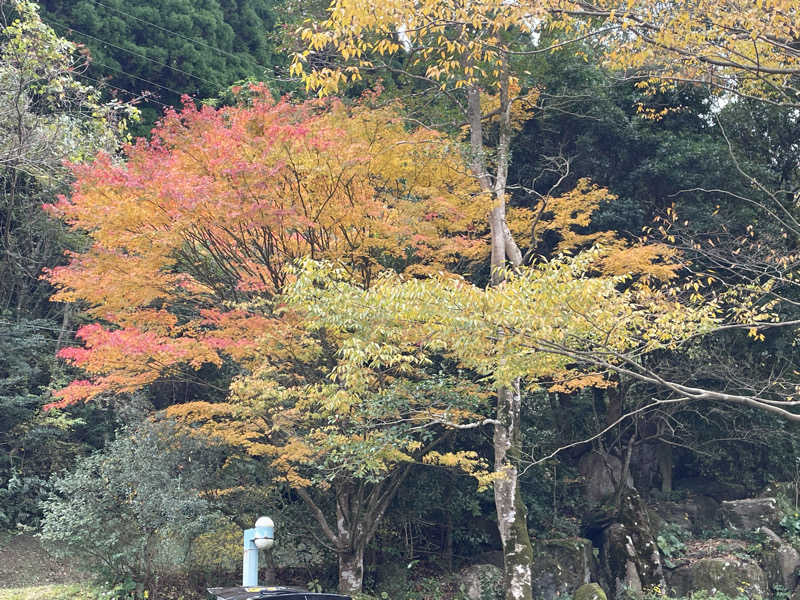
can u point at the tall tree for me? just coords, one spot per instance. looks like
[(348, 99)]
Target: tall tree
[(188, 260), (460, 46), (47, 116), (157, 51), (463, 49)]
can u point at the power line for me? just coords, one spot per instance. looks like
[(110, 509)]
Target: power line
[(102, 41), (20, 338), (121, 89), (164, 87), (175, 33), (31, 326)]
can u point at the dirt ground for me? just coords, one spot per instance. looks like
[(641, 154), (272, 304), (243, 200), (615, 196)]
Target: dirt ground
[(24, 562)]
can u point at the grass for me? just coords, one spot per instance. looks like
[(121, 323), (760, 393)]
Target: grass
[(69, 591)]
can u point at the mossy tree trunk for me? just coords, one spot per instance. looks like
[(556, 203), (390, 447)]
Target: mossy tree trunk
[(511, 510)]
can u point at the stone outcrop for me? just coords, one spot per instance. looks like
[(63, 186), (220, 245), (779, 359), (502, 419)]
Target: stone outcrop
[(601, 473), (629, 556), (719, 490), (561, 566), (696, 514), (750, 514), (732, 576), (781, 561)]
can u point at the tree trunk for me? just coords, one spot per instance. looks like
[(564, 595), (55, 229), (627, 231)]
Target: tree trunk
[(358, 514), (665, 466), (351, 570), (448, 541), (511, 511)]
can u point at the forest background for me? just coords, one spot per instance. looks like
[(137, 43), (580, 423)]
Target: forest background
[(172, 366)]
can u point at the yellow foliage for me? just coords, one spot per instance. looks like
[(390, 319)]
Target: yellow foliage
[(580, 381), (739, 46), (467, 461)]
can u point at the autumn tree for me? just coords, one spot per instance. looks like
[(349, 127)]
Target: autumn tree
[(193, 240), (462, 48), (750, 49), (209, 214), (471, 52)]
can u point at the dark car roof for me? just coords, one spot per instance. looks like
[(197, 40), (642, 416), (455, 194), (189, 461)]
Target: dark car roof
[(271, 592)]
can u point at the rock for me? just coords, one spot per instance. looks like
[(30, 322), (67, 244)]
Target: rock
[(750, 514), (695, 514), (730, 576), (629, 555), (560, 567), (718, 490), (589, 591), (618, 559), (771, 535), (482, 582), (602, 473), (781, 566)]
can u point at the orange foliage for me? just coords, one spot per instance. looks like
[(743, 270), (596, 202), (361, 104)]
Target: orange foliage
[(569, 216), (210, 213)]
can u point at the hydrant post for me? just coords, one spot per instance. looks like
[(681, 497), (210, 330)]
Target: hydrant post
[(262, 536)]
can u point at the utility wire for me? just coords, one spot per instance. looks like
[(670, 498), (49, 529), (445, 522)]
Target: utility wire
[(175, 33), (22, 338), (102, 41), (30, 326), (134, 95), (164, 87)]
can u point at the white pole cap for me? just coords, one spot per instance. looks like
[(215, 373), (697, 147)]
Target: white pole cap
[(264, 543)]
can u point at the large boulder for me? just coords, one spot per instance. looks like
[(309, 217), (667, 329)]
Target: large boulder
[(602, 473), (629, 555), (781, 565), (482, 582), (560, 567), (750, 514), (696, 514), (734, 577), (719, 490), (781, 561)]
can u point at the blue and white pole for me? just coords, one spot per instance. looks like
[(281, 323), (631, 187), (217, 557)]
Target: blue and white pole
[(262, 537)]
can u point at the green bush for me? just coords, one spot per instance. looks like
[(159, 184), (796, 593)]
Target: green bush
[(131, 511)]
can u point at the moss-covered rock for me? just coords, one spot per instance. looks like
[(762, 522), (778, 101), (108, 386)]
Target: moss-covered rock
[(629, 555), (561, 566), (781, 562), (482, 582), (731, 576), (589, 591)]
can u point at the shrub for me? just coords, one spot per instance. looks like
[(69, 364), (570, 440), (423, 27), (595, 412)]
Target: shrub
[(132, 510)]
